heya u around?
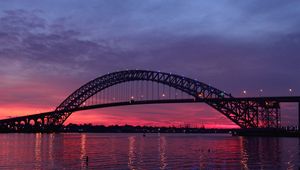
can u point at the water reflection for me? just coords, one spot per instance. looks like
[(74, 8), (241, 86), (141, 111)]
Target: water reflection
[(37, 150), (50, 148), (132, 151), (140, 152), (83, 150), (261, 153), (162, 152), (244, 153)]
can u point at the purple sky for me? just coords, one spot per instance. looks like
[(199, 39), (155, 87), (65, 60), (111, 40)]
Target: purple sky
[(50, 48)]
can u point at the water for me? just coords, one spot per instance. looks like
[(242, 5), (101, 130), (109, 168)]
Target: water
[(155, 151)]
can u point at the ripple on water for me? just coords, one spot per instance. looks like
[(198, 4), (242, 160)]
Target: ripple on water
[(132, 151)]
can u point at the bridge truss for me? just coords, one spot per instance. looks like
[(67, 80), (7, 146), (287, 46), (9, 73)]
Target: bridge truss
[(147, 87)]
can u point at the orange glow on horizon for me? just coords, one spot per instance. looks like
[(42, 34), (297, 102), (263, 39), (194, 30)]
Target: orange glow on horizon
[(9, 112), (194, 115)]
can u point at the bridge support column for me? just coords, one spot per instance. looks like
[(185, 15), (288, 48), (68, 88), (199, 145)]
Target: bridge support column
[(298, 116), (43, 121)]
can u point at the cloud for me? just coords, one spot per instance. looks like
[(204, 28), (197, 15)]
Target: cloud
[(242, 21), (35, 59)]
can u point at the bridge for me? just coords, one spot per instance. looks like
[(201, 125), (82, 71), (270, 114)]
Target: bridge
[(136, 87)]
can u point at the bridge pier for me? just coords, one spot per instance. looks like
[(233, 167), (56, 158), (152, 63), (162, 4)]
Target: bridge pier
[(298, 116)]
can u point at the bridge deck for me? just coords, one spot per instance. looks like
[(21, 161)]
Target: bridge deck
[(256, 99)]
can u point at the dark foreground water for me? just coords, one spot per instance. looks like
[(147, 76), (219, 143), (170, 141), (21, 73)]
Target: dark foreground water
[(155, 151)]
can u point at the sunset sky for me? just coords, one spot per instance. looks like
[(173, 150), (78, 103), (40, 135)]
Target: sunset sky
[(50, 48)]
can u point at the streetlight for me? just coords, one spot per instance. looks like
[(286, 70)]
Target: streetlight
[(290, 91), (260, 92), (244, 92)]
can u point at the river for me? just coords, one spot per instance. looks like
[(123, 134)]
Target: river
[(154, 151)]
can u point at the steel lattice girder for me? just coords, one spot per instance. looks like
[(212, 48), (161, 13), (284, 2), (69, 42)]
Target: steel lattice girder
[(244, 114)]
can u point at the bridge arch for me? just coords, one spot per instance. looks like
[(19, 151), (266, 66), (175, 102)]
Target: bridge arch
[(243, 114)]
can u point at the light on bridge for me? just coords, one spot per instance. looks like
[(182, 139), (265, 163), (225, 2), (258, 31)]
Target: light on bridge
[(132, 97), (260, 92), (290, 91), (244, 92), (163, 95)]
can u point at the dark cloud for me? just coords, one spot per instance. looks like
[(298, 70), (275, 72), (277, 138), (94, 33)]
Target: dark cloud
[(31, 51)]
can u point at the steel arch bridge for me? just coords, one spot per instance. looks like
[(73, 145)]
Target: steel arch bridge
[(122, 85)]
